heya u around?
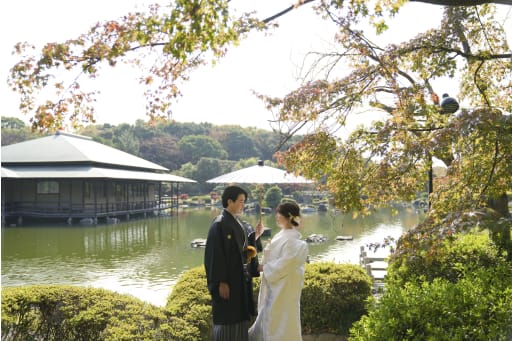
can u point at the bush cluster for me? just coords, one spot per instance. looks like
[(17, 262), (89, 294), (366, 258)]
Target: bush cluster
[(190, 301), (464, 293), (463, 254), (60, 312), (477, 307), (333, 298)]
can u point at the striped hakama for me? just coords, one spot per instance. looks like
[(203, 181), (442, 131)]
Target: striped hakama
[(231, 332)]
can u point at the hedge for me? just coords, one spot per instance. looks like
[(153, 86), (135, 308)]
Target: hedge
[(332, 299), (477, 307), (191, 302), (60, 312), (463, 293)]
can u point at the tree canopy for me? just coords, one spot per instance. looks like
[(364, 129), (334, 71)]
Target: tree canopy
[(376, 164), (166, 44), (390, 159)]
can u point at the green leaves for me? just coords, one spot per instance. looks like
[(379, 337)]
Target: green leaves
[(177, 39), (59, 312), (389, 160), (463, 292)]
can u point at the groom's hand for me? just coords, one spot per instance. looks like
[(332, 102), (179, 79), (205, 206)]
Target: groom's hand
[(224, 290)]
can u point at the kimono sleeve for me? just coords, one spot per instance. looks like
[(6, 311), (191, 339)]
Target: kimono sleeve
[(215, 258), (292, 255)]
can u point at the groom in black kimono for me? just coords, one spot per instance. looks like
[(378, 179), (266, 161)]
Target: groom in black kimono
[(229, 271)]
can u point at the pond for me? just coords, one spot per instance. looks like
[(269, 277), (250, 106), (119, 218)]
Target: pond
[(145, 258)]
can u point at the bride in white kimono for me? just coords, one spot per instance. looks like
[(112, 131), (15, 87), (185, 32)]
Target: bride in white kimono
[(282, 279)]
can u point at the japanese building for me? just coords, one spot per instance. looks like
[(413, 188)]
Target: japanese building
[(75, 179)]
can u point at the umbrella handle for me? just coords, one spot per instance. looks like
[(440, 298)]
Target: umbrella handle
[(260, 210)]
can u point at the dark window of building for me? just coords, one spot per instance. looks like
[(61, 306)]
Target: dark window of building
[(47, 187)]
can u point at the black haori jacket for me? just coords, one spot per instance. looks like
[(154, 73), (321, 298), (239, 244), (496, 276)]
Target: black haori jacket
[(223, 260)]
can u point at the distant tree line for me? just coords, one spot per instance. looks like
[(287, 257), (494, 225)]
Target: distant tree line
[(199, 151)]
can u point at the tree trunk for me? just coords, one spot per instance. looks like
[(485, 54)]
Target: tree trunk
[(502, 236), (500, 205)]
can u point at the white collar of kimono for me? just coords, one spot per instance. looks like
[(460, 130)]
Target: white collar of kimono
[(291, 231)]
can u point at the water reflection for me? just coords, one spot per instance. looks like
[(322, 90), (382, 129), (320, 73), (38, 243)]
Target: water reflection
[(145, 258), (364, 230)]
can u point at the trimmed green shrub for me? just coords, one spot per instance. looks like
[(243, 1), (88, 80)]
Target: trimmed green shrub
[(477, 307), (463, 292), (333, 297), (464, 253), (191, 302), (60, 312)]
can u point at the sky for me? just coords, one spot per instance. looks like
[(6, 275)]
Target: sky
[(220, 94)]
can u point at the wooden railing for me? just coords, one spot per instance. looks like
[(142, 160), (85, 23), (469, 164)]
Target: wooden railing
[(73, 210)]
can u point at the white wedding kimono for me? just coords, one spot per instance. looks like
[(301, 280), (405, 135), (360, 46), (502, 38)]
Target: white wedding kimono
[(281, 285)]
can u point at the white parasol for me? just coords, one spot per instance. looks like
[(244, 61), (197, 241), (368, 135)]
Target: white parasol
[(260, 174)]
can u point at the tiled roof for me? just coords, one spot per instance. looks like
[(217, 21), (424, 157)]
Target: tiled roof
[(63, 148), (71, 156)]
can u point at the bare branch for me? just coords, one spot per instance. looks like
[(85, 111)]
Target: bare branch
[(283, 12), (464, 2)]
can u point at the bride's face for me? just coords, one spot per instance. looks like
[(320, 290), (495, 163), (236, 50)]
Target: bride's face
[(282, 221)]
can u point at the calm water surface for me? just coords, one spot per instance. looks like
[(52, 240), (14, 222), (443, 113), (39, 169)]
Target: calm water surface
[(145, 258)]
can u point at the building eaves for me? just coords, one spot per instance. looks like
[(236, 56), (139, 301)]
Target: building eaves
[(69, 148)]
